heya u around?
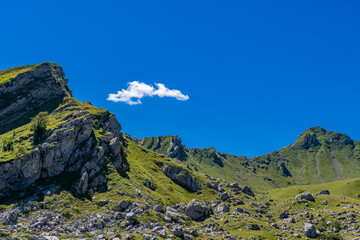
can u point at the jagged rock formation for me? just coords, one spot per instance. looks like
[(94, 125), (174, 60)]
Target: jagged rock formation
[(81, 139), (310, 140), (197, 210), (182, 177), (42, 88), (171, 146), (282, 168)]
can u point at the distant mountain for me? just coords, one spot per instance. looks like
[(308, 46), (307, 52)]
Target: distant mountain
[(79, 178), (318, 156)]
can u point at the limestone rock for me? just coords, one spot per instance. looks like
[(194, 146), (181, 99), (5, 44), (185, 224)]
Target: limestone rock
[(304, 197), (247, 190), (181, 177), (310, 230), (197, 210), (222, 208)]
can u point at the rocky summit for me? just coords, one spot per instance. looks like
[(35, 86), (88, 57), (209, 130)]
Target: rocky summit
[(66, 172)]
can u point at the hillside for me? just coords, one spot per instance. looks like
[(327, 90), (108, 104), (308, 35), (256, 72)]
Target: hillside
[(207, 160), (82, 179), (79, 137), (318, 156)]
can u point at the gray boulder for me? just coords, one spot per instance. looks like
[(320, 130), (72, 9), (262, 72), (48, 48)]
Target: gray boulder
[(158, 208), (197, 210), (123, 205), (181, 177), (224, 196), (310, 230), (304, 197), (289, 220), (325, 192), (247, 190), (222, 208), (172, 213)]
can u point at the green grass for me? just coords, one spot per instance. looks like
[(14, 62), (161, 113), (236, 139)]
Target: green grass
[(335, 158), (8, 74), (346, 188), (22, 136)]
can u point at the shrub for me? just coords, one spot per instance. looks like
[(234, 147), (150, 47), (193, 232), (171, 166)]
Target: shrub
[(38, 126), (66, 213), (20, 151), (7, 145)]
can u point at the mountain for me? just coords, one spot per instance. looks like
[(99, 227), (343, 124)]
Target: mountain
[(66, 172), (80, 138), (318, 156)]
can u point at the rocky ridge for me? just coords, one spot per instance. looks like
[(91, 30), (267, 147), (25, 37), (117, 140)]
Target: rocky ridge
[(317, 156), (70, 146)]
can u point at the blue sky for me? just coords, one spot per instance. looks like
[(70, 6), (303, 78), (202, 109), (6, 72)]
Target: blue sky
[(257, 73)]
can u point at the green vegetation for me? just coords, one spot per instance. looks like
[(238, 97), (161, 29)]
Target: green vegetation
[(22, 137), (7, 145), (38, 126), (318, 156), (8, 74)]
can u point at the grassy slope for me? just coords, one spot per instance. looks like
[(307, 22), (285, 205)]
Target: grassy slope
[(143, 165), (331, 160), (8, 74), (335, 157), (235, 169), (22, 136)]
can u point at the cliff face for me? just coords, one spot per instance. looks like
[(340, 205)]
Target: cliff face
[(81, 139), (42, 88)]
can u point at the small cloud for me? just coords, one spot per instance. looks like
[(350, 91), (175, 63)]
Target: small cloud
[(137, 90)]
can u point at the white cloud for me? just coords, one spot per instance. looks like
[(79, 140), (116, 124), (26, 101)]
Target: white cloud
[(137, 90)]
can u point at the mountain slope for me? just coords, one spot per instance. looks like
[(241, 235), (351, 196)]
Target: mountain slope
[(84, 180), (218, 165), (318, 156), (79, 137)]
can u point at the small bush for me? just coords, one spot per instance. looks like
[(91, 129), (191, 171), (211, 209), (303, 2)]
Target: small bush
[(7, 145), (20, 151), (38, 126), (66, 213)]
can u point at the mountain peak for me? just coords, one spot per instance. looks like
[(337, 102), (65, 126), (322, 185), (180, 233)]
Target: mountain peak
[(28, 90), (317, 136)]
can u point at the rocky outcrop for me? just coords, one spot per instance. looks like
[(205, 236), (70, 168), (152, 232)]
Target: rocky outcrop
[(171, 146), (181, 177), (310, 230), (197, 210), (222, 208), (283, 169), (41, 89), (304, 197), (70, 147), (149, 183), (247, 190), (176, 149), (309, 141)]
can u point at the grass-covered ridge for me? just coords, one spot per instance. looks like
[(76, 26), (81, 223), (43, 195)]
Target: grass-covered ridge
[(22, 136), (8, 74), (318, 156)]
